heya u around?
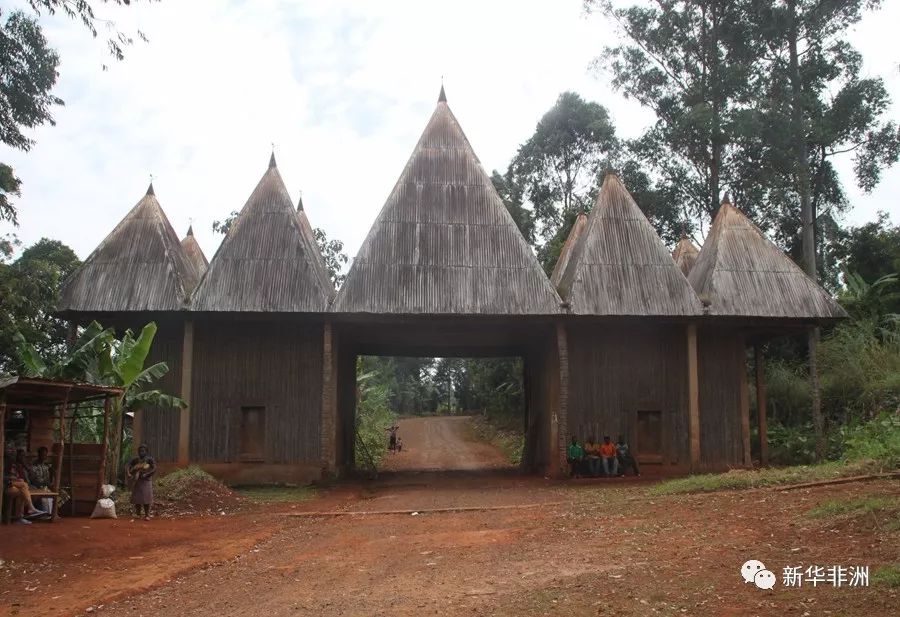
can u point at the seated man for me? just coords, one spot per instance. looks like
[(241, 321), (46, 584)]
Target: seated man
[(592, 457), (16, 489), (39, 473), (575, 458), (608, 456), (626, 460)]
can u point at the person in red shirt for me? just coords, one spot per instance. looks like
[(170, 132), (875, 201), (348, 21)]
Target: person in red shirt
[(608, 456)]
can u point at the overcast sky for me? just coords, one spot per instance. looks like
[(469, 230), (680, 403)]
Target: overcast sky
[(343, 89)]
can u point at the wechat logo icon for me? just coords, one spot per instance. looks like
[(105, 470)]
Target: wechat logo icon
[(755, 572)]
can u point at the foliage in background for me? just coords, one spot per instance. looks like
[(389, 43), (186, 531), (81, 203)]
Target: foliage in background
[(28, 73), (29, 291), (373, 413)]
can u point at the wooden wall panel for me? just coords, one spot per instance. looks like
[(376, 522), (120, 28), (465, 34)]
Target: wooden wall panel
[(159, 426), (278, 366), (721, 359), (617, 370)]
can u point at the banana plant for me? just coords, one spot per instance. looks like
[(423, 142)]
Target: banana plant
[(99, 357)]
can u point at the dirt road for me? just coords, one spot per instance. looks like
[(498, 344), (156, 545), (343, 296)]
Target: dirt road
[(442, 443)]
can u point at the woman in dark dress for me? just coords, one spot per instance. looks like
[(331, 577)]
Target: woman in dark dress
[(140, 472)]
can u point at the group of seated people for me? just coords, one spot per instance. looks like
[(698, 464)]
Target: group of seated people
[(20, 478), (600, 459)]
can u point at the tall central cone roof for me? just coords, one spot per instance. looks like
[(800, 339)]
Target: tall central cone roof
[(139, 266), (619, 265), (268, 262), (444, 242)]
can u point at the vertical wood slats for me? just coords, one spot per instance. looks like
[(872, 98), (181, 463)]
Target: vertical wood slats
[(276, 366), (721, 360)]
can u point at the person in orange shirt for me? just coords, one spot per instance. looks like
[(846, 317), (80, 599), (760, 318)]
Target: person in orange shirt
[(608, 456)]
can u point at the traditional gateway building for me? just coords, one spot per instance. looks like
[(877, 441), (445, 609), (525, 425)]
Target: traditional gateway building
[(624, 338)]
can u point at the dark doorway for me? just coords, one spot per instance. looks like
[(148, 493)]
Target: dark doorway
[(649, 442)]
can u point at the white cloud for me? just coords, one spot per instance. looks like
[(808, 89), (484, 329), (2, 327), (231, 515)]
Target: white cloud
[(342, 88)]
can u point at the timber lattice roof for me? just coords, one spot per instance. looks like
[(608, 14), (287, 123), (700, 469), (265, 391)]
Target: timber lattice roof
[(444, 242), (268, 261), (139, 266), (618, 265), (740, 272)]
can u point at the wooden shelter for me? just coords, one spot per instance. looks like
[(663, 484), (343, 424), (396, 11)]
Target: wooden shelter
[(617, 341), (46, 408)]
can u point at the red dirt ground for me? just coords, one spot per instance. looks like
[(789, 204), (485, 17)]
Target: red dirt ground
[(576, 548)]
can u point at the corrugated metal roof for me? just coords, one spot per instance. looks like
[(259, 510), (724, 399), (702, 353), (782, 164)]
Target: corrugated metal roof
[(444, 242), (565, 265), (267, 262), (194, 252), (742, 273), (621, 267), (139, 266), (685, 255)]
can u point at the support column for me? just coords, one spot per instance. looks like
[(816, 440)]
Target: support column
[(104, 447), (760, 370), (184, 421), (559, 414), (693, 396), (745, 404), (328, 428)]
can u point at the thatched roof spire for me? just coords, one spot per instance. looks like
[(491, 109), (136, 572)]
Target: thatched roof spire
[(150, 190), (444, 242), (194, 252), (621, 267), (564, 268), (742, 273), (442, 97), (272, 163), (266, 263), (139, 266), (685, 254)]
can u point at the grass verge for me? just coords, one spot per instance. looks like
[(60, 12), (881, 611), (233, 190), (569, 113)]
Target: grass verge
[(511, 442), (773, 476), (276, 494), (889, 576), (837, 508)]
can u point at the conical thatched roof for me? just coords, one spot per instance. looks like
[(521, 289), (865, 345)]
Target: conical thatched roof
[(564, 268), (267, 261), (742, 273), (194, 252), (444, 242), (685, 255), (139, 266), (621, 267)]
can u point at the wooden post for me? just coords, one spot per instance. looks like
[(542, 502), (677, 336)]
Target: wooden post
[(59, 458), (328, 428), (745, 404), (559, 418), (693, 396), (104, 446), (184, 421), (2, 449), (760, 370)]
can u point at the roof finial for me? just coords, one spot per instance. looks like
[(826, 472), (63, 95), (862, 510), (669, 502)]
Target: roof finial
[(272, 163), (684, 234), (190, 231), (150, 190), (300, 202), (726, 199), (442, 97)]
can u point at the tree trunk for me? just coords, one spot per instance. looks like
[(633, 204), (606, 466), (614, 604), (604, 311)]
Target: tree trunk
[(115, 442), (807, 216)]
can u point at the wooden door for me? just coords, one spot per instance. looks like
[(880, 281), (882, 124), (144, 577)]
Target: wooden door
[(649, 442), (253, 433)]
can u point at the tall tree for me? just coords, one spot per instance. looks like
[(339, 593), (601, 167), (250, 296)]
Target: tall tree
[(29, 291), (557, 167), (28, 73)]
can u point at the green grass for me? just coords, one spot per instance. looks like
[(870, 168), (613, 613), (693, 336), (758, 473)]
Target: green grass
[(510, 442), (772, 476), (276, 494), (836, 508), (889, 576)]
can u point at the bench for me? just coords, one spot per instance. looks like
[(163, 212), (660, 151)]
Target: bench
[(36, 495)]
